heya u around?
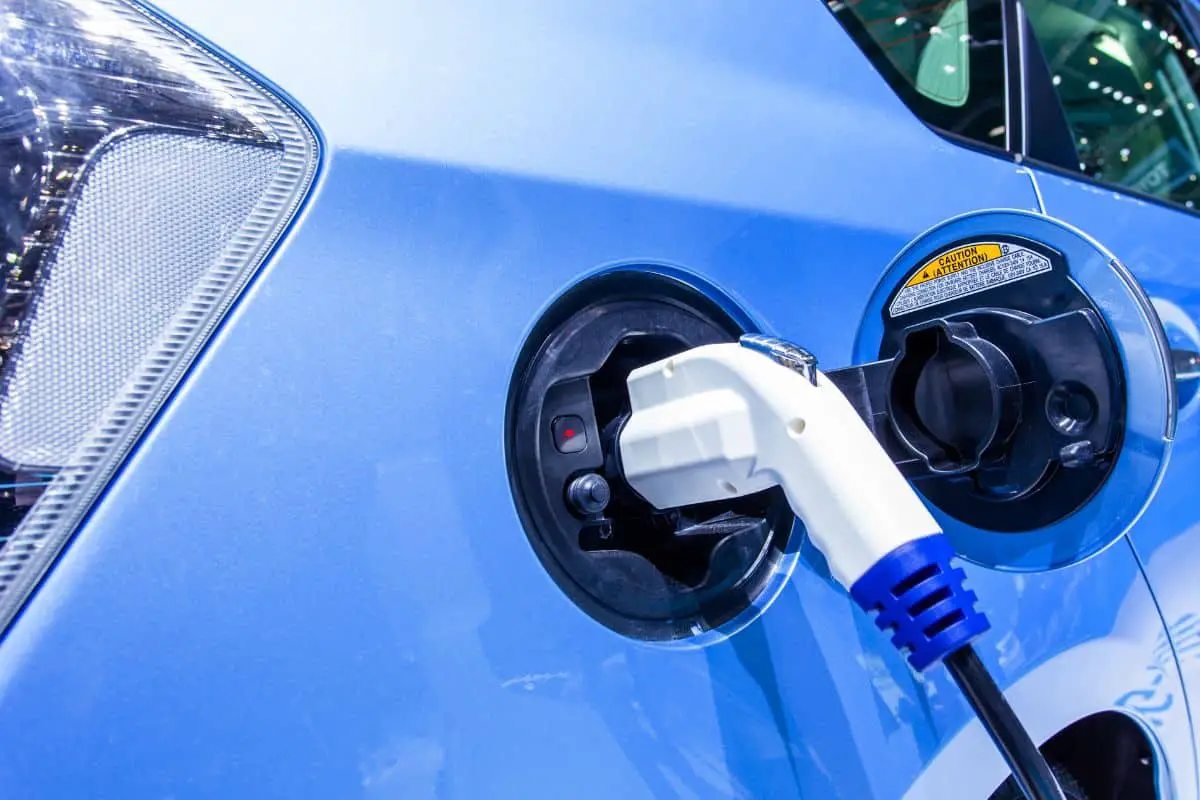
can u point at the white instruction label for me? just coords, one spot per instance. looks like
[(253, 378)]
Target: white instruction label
[(966, 270)]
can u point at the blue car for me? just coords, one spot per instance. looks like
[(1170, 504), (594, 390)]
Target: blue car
[(339, 303)]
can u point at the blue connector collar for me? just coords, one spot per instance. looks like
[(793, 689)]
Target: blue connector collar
[(921, 600)]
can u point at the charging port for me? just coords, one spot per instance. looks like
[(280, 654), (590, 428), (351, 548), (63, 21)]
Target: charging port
[(645, 572), (955, 397), (1007, 421)]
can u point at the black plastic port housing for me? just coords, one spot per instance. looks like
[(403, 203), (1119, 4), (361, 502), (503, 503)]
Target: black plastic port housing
[(648, 573), (1006, 407)]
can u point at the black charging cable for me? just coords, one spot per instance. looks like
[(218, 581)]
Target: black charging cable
[(1033, 775)]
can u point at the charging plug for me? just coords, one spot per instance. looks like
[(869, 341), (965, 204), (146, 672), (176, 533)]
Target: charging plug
[(725, 420)]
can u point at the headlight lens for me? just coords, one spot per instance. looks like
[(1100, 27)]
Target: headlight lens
[(142, 181)]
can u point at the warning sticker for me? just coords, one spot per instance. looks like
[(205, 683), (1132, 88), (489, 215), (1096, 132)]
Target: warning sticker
[(966, 270)]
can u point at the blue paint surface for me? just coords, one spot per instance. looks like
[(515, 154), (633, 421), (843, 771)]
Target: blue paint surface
[(310, 581), (1157, 243)]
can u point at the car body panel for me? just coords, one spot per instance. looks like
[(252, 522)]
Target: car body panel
[(310, 579), (1158, 244)]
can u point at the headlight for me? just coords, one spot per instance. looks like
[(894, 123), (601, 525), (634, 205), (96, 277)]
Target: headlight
[(142, 181)]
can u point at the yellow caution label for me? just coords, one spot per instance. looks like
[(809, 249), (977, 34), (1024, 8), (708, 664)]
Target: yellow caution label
[(956, 260), (966, 270)]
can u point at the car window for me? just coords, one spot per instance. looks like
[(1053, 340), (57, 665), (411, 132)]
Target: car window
[(945, 59), (1126, 73)]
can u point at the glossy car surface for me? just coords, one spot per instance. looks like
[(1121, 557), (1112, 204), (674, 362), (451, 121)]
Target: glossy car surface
[(310, 580)]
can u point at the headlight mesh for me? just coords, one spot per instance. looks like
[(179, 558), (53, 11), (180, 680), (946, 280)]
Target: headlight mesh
[(142, 182), (150, 199)]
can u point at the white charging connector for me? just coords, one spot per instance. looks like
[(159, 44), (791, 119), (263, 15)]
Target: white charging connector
[(725, 420)]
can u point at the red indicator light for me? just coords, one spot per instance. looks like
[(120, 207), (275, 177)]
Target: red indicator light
[(568, 432)]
